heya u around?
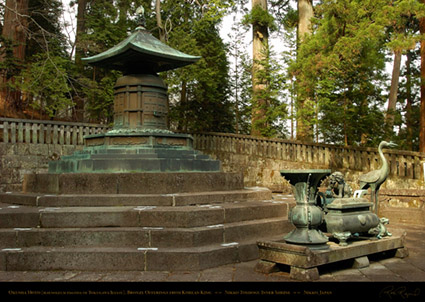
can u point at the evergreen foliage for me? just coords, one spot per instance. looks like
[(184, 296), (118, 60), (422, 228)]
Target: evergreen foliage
[(199, 93), (345, 85)]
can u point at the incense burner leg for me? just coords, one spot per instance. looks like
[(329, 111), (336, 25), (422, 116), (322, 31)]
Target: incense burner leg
[(342, 237)]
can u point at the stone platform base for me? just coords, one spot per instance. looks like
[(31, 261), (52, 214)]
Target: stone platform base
[(304, 262)]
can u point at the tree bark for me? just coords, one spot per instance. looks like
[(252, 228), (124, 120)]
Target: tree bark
[(422, 108), (161, 29), (81, 29), (305, 13), (409, 101), (79, 54), (260, 51), (14, 29), (392, 100)]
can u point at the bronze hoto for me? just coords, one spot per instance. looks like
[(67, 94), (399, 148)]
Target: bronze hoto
[(140, 140), (140, 95)]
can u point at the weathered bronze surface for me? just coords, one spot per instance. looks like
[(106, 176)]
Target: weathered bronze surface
[(140, 140), (306, 215), (347, 217), (140, 102), (141, 52), (140, 96), (375, 179)]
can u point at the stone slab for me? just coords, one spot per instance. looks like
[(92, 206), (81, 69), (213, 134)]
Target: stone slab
[(106, 237), (361, 262), (89, 259), (132, 183), (304, 262), (12, 216), (142, 236), (177, 199), (126, 258)]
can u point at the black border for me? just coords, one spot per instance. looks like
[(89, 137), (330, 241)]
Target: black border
[(373, 291)]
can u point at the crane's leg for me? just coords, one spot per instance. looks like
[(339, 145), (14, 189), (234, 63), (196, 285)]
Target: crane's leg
[(376, 202), (373, 199)]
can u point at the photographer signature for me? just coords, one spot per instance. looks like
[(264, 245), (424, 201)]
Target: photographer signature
[(400, 291)]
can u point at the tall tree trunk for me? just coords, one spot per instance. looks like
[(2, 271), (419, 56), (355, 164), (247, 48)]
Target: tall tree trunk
[(392, 100), (79, 54), (14, 29), (81, 29), (161, 29), (409, 123), (305, 13), (260, 50), (236, 91), (422, 108)]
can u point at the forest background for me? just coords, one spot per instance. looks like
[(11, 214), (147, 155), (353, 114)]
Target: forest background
[(342, 72)]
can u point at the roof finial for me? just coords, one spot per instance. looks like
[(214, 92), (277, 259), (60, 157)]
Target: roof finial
[(141, 20)]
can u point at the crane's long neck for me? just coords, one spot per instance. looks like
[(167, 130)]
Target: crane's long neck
[(384, 166)]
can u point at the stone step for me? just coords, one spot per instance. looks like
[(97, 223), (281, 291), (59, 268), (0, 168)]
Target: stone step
[(139, 216), (132, 183), (143, 236), (178, 199), (126, 258)]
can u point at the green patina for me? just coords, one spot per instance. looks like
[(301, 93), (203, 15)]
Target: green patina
[(140, 140), (141, 51)]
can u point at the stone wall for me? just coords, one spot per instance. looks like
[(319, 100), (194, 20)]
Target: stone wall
[(402, 206), (19, 159), (26, 146), (262, 159)]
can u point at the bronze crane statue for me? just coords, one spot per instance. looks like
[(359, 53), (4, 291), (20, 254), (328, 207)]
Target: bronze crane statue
[(375, 179)]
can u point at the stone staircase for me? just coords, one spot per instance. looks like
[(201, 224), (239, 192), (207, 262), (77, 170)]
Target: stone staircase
[(130, 232)]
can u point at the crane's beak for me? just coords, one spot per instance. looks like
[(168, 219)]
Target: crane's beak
[(392, 145)]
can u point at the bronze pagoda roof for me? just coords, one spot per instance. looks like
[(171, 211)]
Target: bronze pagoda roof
[(141, 52)]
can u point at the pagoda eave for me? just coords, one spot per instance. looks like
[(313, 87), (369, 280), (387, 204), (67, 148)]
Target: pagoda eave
[(143, 53)]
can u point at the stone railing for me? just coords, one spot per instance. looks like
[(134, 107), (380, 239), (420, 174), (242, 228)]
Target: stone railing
[(46, 132), (403, 164)]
